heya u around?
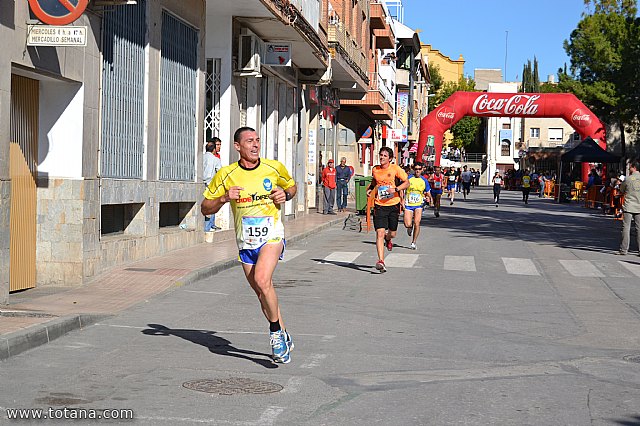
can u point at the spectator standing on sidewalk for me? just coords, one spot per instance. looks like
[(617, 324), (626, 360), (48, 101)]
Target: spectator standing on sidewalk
[(630, 188), (343, 176), (210, 166), (256, 187), (329, 188)]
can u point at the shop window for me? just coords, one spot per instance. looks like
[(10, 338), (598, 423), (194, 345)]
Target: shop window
[(173, 214), (116, 218)]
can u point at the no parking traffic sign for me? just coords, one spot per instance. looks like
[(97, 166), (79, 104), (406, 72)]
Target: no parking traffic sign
[(58, 12)]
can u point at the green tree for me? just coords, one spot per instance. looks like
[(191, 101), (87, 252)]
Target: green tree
[(436, 80), (604, 69), (466, 129), (530, 78)]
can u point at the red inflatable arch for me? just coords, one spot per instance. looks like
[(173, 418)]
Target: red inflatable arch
[(483, 104)]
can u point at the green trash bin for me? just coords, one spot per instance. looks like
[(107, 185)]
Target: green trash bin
[(361, 184)]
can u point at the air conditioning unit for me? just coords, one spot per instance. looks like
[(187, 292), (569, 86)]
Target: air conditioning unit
[(250, 50)]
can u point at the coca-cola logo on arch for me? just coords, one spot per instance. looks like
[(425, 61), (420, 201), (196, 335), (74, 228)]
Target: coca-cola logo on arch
[(446, 115), (520, 104), (579, 118)]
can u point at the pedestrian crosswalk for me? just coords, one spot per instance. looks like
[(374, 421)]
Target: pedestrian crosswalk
[(456, 263)]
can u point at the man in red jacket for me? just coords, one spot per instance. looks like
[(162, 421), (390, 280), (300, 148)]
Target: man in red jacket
[(329, 186)]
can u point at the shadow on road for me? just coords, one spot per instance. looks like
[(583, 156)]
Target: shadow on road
[(361, 268), (209, 340), (631, 421)]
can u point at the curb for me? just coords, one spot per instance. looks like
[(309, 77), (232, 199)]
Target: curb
[(39, 334)]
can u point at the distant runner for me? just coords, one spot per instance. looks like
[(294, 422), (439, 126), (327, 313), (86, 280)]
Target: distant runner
[(437, 180), (526, 186), (466, 181), (451, 184), (497, 187), (414, 201)]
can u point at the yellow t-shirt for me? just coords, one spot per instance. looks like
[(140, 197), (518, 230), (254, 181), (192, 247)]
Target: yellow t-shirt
[(526, 181), (257, 218), (414, 195)]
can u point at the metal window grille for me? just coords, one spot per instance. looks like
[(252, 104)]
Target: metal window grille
[(123, 71), (178, 92), (212, 95)]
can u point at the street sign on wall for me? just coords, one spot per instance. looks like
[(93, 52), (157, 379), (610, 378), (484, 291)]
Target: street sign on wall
[(277, 54), (49, 35), (58, 12)]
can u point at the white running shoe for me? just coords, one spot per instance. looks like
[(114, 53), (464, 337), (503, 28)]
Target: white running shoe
[(413, 246)]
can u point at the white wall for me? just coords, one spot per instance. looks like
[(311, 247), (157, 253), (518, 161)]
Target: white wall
[(60, 130), (218, 45)]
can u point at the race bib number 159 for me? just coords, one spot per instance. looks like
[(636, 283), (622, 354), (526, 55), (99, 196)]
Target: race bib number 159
[(256, 229)]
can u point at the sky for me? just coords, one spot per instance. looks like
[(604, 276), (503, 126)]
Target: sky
[(485, 31)]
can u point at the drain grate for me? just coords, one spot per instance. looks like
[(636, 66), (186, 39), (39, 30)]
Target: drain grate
[(233, 386), (632, 358), (23, 314)]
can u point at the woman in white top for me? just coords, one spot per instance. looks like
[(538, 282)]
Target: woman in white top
[(497, 186)]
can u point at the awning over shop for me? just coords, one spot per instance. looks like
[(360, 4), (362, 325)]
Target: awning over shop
[(588, 151)]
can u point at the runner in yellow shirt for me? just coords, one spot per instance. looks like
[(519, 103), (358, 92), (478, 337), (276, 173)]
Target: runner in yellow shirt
[(415, 196), (256, 187), (526, 186)]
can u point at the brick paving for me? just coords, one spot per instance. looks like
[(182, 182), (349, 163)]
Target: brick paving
[(127, 285)]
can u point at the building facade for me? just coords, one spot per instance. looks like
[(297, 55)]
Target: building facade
[(92, 174)]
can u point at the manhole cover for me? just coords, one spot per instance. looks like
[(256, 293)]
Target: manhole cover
[(232, 386), (632, 358)]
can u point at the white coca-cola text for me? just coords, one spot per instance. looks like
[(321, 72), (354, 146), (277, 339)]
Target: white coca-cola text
[(581, 119), (446, 115), (515, 105)]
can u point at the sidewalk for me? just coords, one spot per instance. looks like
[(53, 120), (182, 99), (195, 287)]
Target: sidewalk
[(36, 317)]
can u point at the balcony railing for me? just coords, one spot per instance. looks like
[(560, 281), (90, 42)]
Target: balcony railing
[(310, 9), (376, 82), (339, 35)]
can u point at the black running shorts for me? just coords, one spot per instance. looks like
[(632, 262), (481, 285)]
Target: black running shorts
[(386, 217)]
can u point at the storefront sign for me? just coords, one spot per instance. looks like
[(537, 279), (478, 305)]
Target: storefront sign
[(312, 147), (48, 35), (395, 135), (58, 12), (277, 54)]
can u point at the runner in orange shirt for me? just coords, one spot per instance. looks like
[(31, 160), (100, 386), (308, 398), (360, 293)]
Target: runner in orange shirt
[(387, 203)]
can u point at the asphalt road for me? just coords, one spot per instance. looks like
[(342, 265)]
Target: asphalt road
[(516, 315)]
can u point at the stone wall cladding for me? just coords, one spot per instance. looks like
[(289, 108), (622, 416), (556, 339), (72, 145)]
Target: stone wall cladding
[(5, 202), (59, 232), (144, 238)]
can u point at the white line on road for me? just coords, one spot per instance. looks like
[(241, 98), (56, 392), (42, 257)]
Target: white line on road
[(518, 266), (206, 292), (314, 361), (290, 254), (397, 260), (343, 256), (632, 267), (581, 268), (459, 263)]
